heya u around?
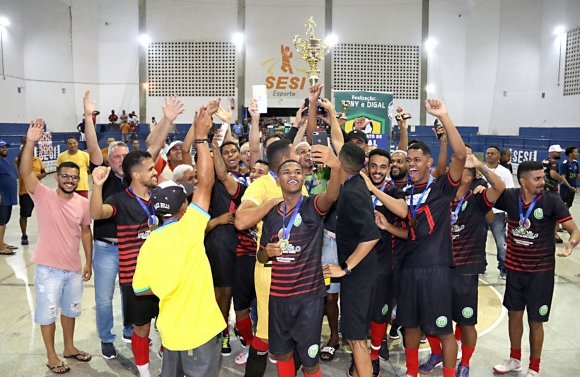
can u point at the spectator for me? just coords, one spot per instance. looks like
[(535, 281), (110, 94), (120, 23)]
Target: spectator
[(7, 196), (26, 203), (172, 132), (94, 116), (506, 156), (112, 120), (105, 151), (238, 128), (153, 124), (185, 173), (81, 130), (136, 146), (80, 158), (133, 130), (123, 117), (133, 118), (125, 128), (569, 173)]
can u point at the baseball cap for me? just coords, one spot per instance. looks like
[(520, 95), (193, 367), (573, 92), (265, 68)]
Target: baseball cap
[(3, 143), (358, 134), (168, 197), (555, 148), (174, 144)]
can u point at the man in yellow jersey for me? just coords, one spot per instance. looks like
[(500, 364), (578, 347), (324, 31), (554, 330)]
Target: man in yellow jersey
[(172, 264), (81, 158), (260, 197)]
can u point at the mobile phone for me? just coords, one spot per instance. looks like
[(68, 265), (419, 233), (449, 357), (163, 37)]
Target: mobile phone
[(320, 138), (222, 132), (319, 109), (436, 125)]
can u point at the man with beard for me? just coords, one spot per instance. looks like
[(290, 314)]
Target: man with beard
[(389, 204), (63, 221), (552, 177), (315, 181), (81, 158), (532, 215), (106, 242)]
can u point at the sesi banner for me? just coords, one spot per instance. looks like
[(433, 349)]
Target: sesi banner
[(370, 112)]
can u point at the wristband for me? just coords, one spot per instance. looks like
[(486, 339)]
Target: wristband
[(345, 268), (201, 141)]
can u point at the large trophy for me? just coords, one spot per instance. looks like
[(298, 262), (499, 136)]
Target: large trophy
[(312, 50)]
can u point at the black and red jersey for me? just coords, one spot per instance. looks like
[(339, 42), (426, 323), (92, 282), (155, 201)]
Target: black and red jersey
[(469, 233), (429, 244), (132, 230), (385, 247), (532, 249), (297, 273)]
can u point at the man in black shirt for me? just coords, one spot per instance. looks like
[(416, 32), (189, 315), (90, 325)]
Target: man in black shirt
[(358, 262)]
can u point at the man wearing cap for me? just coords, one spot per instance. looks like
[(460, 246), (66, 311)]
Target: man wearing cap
[(8, 196), (552, 177), (174, 158), (172, 265)]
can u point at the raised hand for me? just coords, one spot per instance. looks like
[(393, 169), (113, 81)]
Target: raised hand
[(299, 119), (213, 106), (202, 123), (324, 155), (436, 107), (172, 108), (88, 104), (225, 116), (472, 162), (253, 109), (314, 92), (328, 106), (35, 131), (217, 137), (439, 132), (100, 174)]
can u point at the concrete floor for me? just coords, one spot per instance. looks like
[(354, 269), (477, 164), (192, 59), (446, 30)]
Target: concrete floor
[(22, 352)]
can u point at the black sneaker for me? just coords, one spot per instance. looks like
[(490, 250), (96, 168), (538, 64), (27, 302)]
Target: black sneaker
[(108, 351), (423, 337), (240, 337), (24, 240), (129, 339), (393, 334), (350, 370), (226, 348), (376, 368), (384, 351)]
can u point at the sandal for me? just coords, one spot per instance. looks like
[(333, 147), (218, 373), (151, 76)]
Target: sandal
[(53, 369), (81, 356), (7, 252), (329, 352)]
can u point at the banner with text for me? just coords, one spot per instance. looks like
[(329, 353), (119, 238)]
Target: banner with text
[(48, 152), (367, 111)]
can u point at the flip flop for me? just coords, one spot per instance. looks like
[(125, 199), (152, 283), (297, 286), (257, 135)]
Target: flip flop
[(11, 247), (83, 357), (7, 252), (53, 369), (328, 350)]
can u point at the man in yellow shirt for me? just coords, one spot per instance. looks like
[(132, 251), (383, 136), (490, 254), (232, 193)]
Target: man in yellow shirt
[(80, 158), (172, 264), (105, 151)]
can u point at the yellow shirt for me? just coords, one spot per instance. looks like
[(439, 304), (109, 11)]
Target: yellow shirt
[(37, 167), (173, 264), (83, 161)]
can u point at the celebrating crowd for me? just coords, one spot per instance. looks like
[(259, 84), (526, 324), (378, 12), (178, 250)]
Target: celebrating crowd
[(293, 225)]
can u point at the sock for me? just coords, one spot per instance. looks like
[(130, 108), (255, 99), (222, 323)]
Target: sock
[(144, 370), (466, 354), (448, 372), (516, 354), (227, 329), (245, 328), (458, 333), (412, 361), (317, 374), (286, 368), (257, 362), (435, 344), (377, 334), (535, 364), (140, 347)]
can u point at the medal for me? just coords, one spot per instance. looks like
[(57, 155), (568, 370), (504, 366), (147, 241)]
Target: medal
[(522, 228), (413, 222), (414, 209), (458, 208), (152, 220), (376, 197), (283, 244)]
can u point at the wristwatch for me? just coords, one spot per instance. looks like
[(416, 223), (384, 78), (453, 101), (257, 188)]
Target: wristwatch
[(345, 268)]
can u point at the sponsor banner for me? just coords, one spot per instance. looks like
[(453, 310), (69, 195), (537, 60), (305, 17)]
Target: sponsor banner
[(48, 152), (519, 156)]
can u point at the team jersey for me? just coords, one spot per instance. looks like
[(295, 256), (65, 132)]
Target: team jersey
[(550, 164), (297, 273), (468, 233), (385, 247), (532, 250), (429, 244), (247, 241), (400, 244), (570, 171), (132, 231), (317, 185)]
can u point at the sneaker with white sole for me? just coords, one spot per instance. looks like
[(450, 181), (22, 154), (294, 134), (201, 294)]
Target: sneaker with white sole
[(272, 359), (433, 362), (401, 334), (129, 339), (462, 371), (459, 352), (242, 357), (226, 348), (511, 365), (532, 373), (108, 351)]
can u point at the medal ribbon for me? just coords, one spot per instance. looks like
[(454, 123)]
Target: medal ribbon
[(456, 212), (150, 215), (376, 197), (274, 175), (416, 208), (286, 230), (311, 184), (530, 209)]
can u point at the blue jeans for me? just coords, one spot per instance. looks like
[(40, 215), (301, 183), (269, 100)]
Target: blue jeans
[(498, 231), (56, 288), (106, 269)]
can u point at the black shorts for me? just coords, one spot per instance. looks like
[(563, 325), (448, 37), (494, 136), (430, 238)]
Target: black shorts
[(397, 270), (5, 214), (138, 310), (356, 305), (382, 298), (425, 300), (243, 290), (222, 262), (530, 291), (26, 205), (464, 299), (296, 325), (568, 198)]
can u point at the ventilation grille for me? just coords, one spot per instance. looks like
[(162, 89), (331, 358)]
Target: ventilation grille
[(572, 67)]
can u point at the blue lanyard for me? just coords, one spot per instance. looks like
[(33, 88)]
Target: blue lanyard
[(530, 209), (151, 218), (416, 208), (286, 230), (456, 212), (376, 197), (274, 175), (311, 184)]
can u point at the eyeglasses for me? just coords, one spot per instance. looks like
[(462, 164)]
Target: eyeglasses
[(245, 152), (64, 176)]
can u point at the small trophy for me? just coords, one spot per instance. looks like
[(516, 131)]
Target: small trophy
[(312, 50), (401, 115), (345, 105)]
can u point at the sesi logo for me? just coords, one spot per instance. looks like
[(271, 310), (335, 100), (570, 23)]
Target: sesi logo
[(287, 81)]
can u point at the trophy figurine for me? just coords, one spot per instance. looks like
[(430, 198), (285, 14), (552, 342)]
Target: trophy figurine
[(312, 50), (345, 105)]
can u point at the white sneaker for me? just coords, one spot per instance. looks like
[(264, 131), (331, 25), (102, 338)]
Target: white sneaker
[(532, 373), (272, 359), (242, 357), (511, 365), (459, 353)]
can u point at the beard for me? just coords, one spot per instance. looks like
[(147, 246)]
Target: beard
[(402, 174)]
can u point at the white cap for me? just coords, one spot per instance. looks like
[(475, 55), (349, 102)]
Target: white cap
[(174, 144), (555, 148)]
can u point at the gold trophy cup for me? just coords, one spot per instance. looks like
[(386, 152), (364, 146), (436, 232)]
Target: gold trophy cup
[(312, 50), (345, 105)]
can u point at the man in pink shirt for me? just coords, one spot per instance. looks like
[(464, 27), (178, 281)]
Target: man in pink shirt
[(63, 220)]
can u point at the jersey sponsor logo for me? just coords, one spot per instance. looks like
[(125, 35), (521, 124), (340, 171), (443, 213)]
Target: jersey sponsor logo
[(539, 213), (543, 310), (385, 309), (464, 206), (467, 312), (313, 350), (144, 235), (524, 233), (417, 196), (298, 220), (457, 229), (441, 321)]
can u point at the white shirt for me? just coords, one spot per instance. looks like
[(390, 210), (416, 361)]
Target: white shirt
[(506, 177)]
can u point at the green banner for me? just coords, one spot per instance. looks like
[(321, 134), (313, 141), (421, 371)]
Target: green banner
[(369, 112)]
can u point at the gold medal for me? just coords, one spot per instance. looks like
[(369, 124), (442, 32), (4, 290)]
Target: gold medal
[(413, 222), (283, 244), (152, 224)]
